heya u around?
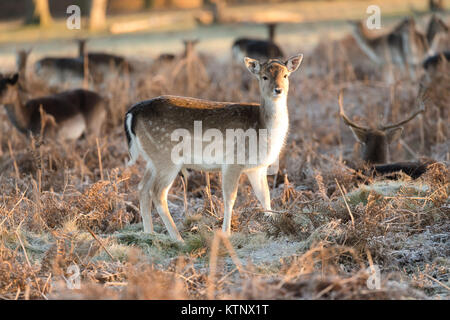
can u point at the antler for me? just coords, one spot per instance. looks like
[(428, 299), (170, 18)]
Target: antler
[(398, 124), (344, 117)]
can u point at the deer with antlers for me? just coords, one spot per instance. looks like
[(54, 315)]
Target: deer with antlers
[(63, 116), (150, 126), (375, 144)]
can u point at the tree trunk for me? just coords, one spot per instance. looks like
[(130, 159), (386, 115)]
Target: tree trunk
[(217, 8), (38, 12), (97, 19), (436, 5)]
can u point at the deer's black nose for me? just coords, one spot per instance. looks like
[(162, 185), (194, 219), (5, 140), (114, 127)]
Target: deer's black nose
[(278, 90)]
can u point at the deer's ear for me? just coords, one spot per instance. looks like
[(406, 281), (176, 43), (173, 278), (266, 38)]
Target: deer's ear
[(294, 62), (13, 79), (252, 65), (394, 134), (360, 134)]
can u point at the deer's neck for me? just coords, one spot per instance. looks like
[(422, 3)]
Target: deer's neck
[(274, 112), (274, 117), (18, 113)]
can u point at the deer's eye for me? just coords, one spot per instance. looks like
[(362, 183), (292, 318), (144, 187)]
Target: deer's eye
[(265, 78), (285, 76)]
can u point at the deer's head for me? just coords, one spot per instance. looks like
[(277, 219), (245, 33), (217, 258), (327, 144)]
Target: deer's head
[(21, 58), (375, 141), (273, 75), (7, 92), (189, 45)]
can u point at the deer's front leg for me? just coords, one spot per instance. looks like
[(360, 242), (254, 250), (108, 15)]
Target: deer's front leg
[(258, 180), (230, 180)]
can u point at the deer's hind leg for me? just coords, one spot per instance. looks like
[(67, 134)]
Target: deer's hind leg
[(162, 182), (145, 201)]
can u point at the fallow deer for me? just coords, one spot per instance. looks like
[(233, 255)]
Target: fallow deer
[(375, 144), (57, 71), (257, 48), (403, 46), (149, 124), (102, 61), (67, 114)]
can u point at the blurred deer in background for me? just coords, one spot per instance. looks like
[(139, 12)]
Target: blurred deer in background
[(375, 144), (436, 82), (149, 124), (63, 116), (257, 48), (189, 70), (103, 62), (60, 71), (403, 46)]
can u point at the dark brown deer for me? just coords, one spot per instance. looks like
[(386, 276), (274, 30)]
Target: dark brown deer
[(63, 116), (375, 144), (257, 48)]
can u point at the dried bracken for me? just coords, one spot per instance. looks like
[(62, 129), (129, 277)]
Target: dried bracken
[(65, 204)]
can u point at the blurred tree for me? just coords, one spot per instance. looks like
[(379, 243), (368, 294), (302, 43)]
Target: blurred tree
[(148, 4), (97, 18), (38, 12), (436, 5), (217, 8)]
